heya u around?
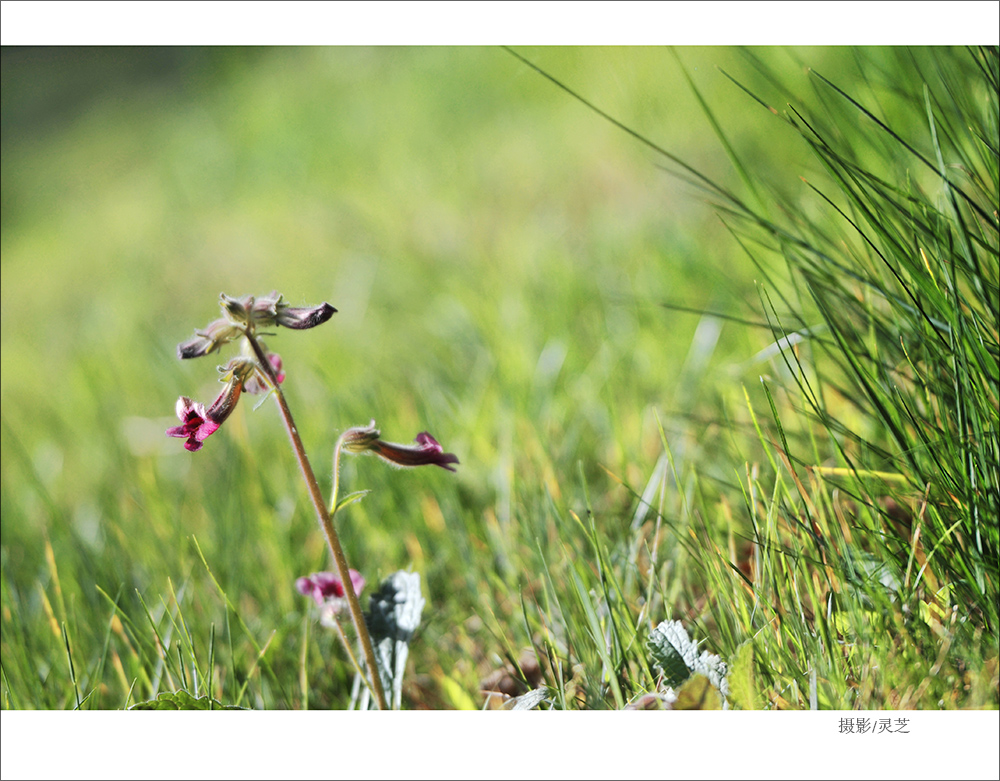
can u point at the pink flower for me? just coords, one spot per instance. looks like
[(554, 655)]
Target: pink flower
[(328, 591), (323, 586), (196, 426), (427, 450), (197, 423), (275, 361)]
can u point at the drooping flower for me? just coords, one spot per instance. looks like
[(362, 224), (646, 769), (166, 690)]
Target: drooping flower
[(363, 439), (195, 426), (197, 423)]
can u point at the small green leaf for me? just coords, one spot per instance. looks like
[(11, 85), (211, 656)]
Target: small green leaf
[(351, 498)]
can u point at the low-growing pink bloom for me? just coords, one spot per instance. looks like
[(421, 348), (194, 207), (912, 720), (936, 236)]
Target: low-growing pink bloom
[(323, 586), (363, 439), (327, 590)]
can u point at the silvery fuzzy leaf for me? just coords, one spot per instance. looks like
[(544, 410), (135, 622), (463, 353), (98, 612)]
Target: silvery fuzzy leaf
[(676, 655), (673, 652), (393, 616)]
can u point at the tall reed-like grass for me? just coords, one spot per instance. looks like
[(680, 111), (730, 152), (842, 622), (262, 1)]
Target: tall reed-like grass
[(858, 565)]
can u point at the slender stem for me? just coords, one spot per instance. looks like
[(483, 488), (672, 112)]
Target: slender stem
[(326, 523)]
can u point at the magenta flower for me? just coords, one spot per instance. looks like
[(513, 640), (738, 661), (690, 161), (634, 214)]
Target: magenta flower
[(328, 592), (195, 426), (427, 450), (197, 423), (323, 586)]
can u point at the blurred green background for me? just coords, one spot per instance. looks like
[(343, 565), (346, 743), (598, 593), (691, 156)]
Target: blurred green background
[(499, 256)]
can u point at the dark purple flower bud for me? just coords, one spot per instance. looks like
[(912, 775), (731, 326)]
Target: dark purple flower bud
[(196, 346), (301, 318), (267, 311)]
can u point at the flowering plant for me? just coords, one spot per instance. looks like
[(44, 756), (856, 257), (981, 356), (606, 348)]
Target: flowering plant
[(257, 370)]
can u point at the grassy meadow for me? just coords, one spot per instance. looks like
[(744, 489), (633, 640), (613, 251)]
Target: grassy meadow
[(749, 385)]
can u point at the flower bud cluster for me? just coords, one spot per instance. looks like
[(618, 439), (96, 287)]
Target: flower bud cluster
[(242, 318), (247, 315)]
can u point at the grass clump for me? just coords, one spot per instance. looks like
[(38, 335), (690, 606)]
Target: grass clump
[(862, 570)]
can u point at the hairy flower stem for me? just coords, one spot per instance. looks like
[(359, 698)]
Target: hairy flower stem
[(326, 523)]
